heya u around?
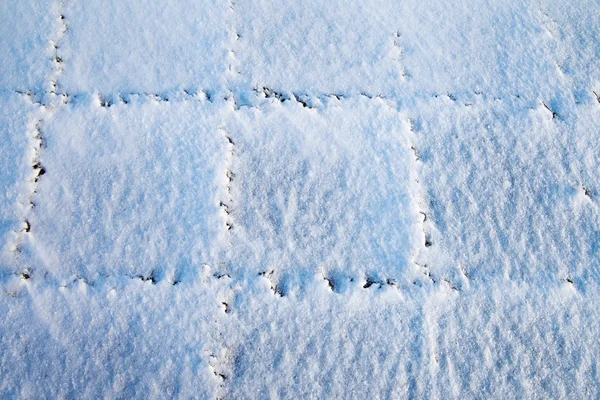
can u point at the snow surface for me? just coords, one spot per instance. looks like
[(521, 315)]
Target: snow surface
[(14, 169), (26, 29), (325, 199), (323, 191), (121, 183), (142, 46)]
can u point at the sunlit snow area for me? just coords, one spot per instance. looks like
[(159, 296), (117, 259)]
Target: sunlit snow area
[(248, 199)]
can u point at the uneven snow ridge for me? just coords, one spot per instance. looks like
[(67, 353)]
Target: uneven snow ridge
[(235, 199)]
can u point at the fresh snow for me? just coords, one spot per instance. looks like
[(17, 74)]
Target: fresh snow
[(121, 183), (235, 199), (323, 192), (27, 28), (137, 46)]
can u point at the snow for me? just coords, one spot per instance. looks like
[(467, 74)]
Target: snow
[(528, 181), (14, 171), (26, 27), (324, 199), (142, 47), (323, 190), (126, 338), (317, 48), (121, 182), (504, 341)]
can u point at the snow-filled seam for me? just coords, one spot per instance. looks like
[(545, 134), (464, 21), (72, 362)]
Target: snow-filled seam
[(425, 222), (226, 204), (36, 138), (48, 104), (56, 43), (232, 60), (279, 289), (398, 54), (13, 283), (257, 97)]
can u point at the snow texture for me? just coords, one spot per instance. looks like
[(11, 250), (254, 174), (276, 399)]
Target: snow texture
[(246, 199), (26, 29), (121, 183), (14, 171), (527, 178), (323, 190), (126, 338), (139, 46), (504, 341)]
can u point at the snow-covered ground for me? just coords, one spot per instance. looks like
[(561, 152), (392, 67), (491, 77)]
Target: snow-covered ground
[(324, 199)]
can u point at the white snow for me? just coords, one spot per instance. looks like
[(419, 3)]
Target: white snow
[(26, 28), (318, 46), (322, 199), (125, 338), (122, 183), (140, 46), (520, 199), (323, 190), (15, 170)]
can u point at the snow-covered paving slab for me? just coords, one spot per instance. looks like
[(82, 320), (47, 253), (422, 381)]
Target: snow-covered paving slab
[(511, 191), (574, 33), (323, 191), (409, 48), (496, 47), (136, 46), (27, 29), (501, 341), (124, 339), (318, 46), (128, 190)]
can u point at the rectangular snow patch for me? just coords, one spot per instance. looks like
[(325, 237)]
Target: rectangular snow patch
[(496, 47), (140, 46), (138, 340), (324, 191), (129, 190), (319, 46)]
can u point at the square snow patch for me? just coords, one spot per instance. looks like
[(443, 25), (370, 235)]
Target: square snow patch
[(140, 46), (319, 46), (511, 192), (325, 191), (129, 190)]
